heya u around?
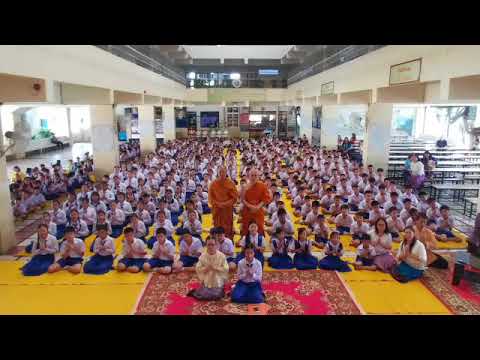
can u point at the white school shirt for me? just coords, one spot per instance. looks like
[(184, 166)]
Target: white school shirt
[(78, 248), (382, 200), (433, 214), (167, 225), (327, 201), (195, 247), (126, 207), (117, 217), (144, 216), (359, 229), (170, 249), (446, 223), (373, 216), (133, 182), (275, 217), (288, 244), (59, 217), (104, 247), (249, 272), (272, 207), (99, 206), (89, 215), (51, 246), (81, 228), (138, 246), (390, 204), (344, 221), (167, 212), (311, 217), (356, 199), (52, 228), (139, 230), (226, 247), (395, 228), (253, 240), (412, 197), (366, 253), (195, 228), (287, 227)]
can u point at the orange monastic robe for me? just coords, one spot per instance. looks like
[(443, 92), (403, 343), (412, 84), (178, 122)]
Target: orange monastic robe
[(256, 194), (220, 191)]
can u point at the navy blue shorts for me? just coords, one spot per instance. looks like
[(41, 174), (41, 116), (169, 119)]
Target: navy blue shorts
[(70, 261)]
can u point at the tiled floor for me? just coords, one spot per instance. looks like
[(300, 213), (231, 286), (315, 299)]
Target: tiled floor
[(51, 157)]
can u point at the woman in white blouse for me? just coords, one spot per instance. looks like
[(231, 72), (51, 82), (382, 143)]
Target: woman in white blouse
[(417, 172), (411, 258)]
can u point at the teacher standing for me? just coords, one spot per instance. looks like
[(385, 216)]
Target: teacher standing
[(254, 196)]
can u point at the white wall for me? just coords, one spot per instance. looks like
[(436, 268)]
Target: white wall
[(85, 65), (439, 62)]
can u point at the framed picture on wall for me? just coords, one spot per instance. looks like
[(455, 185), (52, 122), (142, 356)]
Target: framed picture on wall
[(406, 72)]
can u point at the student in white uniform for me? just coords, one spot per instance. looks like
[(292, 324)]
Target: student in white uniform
[(163, 254), (43, 249), (71, 251), (104, 250), (134, 253), (190, 250), (225, 245)]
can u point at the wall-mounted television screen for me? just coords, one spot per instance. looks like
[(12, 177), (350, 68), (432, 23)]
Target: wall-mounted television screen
[(209, 119)]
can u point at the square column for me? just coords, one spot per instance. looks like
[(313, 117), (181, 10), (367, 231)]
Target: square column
[(104, 139), (7, 221), (146, 124), (306, 122), (378, 136), (169, 121)]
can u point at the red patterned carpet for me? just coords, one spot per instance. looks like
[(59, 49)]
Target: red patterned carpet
[(460, 300), (315, 292)]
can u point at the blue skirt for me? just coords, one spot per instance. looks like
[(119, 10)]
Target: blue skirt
[(343, 229), (320, 239), (70, 261), (116, 230), (353, 207), (278, 261), (258, 255), (248, 293), (188, 261), (445, 232), (231, 259), (408, 272), (38, 265), (330, 262), (174, 217), (130, 262), (154, 263), (60, 231), (98, 264), (206, 209), (305, 262), (364, 261)]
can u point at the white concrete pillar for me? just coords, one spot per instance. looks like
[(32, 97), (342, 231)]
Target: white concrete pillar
[(146, 125), (306, 122), (7, 221), (104, 139), (378, 135), (169, 122), (69, 125)]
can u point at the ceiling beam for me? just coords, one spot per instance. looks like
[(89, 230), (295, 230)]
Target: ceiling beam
[(169, 48)]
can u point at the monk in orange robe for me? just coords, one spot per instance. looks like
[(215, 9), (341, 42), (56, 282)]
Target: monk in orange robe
[(222, 196), (255, 195)]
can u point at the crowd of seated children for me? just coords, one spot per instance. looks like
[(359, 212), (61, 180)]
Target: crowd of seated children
[(167, 190)]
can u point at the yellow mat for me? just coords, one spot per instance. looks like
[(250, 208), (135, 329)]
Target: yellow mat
[(391, 297), (10, 274), (98, 299)]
